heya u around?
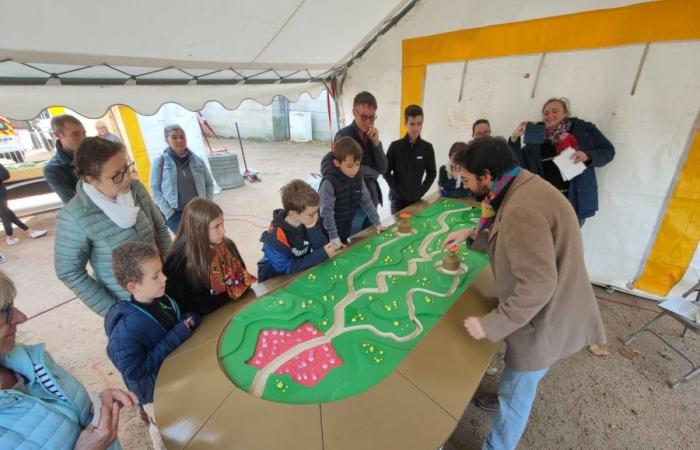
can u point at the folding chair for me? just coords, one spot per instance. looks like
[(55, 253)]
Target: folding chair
[(687, 324)]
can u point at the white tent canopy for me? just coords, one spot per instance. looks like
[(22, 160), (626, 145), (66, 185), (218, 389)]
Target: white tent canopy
[(89, 56)]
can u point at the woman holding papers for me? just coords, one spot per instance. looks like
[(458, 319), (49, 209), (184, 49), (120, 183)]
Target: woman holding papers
[(564, 135)]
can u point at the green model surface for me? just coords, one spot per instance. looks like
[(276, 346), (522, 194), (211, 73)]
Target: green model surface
[(345, 325)]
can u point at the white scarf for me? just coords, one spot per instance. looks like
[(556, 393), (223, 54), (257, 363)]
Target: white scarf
[(121, 211)]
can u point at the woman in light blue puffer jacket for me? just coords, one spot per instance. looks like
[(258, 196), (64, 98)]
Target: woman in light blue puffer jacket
[(109, 209), (41, 405)]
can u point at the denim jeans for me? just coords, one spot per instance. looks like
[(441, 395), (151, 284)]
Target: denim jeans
[(359, 222), (174, 221), (516, 393)]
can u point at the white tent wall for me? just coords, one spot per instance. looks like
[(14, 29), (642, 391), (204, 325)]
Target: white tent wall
[(379, 69), (650, 129), (152, 131)]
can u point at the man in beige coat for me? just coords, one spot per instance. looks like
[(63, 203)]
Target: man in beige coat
[(546, 306)]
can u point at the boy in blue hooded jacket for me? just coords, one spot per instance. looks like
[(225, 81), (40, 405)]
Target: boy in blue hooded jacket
[(295, 239), (143, 331)]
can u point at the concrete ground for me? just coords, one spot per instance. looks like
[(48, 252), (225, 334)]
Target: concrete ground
[(584, 401)]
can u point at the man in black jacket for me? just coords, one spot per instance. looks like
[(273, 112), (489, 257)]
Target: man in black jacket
[(59, 170), (411, 163)]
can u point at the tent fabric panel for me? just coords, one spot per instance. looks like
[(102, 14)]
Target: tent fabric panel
[(653, 22), (679, 234), (324, 18), (26, 102), (178, 33)]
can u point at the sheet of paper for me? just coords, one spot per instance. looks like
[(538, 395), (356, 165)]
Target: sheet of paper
[(682, 307), (566, 165)]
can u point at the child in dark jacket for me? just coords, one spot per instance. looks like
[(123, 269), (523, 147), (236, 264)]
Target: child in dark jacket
[(204, 268), (295, 239), (451, 185), (411, 170), (343, 192), (145, 330)]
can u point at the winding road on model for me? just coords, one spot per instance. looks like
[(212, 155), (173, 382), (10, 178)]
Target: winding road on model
[(338, 327)]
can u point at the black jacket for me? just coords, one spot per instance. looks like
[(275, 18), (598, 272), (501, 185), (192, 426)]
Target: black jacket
[(60, 174), (348, 196), (411, 169), (191, 298), (4, 176)]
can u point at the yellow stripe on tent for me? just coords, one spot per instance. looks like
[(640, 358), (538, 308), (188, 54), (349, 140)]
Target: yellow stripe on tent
[(679, 233), (647, 22), (56, 111), (136, 144)]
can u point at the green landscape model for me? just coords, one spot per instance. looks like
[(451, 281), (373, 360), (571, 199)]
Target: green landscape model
[(345, 325)]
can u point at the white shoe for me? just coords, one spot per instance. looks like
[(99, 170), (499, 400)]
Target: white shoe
[(12, 241), (37, 233)]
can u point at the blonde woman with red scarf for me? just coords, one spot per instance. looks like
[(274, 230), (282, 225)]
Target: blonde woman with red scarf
[(561, 132), (204, 268)]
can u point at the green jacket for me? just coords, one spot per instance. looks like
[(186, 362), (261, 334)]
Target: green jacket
[(84, 233)]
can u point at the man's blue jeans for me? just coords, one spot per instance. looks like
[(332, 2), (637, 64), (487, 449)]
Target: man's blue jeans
[(516, 393)]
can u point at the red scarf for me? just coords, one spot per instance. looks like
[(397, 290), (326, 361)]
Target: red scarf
[(227, 273), (560, 137)]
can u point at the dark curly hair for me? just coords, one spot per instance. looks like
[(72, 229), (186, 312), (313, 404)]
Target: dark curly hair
[(486, 154), (128, 259)]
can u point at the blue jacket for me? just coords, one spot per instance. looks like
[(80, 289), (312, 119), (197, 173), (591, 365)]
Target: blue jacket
[(40, 419), (138, 345), (448, 186), (85, 233), (164, 181), (583, 189), (288, 249)]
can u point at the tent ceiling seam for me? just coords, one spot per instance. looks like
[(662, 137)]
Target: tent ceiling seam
[(284, 25)]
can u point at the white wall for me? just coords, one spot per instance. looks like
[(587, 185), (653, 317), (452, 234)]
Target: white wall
[(255, 120), (319, 114), (650, 130)]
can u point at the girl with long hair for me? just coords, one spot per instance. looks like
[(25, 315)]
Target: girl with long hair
[(204, 268)]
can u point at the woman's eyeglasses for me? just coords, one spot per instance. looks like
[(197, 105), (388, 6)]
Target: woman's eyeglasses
[(119, 176)]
